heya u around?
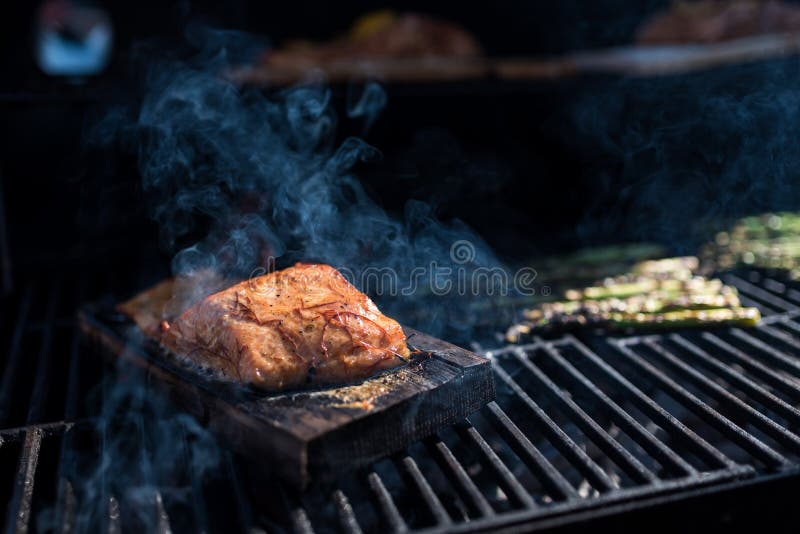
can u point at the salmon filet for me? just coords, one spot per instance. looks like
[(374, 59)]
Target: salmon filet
[(303, 325)]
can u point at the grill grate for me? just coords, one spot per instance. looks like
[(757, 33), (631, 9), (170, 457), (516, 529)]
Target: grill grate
[(580, 426)]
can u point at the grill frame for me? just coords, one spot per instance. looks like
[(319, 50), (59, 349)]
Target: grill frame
[(571, 507)]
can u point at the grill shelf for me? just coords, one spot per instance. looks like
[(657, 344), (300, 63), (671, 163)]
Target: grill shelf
[(582, 428)]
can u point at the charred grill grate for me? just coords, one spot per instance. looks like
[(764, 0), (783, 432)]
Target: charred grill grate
[(581, 426)]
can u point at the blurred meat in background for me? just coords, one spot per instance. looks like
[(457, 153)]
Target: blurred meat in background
[(713, 21)]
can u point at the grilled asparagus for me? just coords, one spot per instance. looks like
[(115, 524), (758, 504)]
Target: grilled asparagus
[(655, 294), (745, 317)]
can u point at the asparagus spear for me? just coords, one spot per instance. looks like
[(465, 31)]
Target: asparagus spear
[(743, 317), (620, 288), (687, 318), (649, 303)]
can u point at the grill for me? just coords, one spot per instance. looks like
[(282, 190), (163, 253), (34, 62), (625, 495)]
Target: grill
[(583, 428)]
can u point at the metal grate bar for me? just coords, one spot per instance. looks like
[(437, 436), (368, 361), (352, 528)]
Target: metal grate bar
[(779, 358), (515, 491), (296, 514), (748, 442), (114, 525), (722, 395), (658, 449), (574, 453), (776, 287), (779, 287), (347, 516), (550, 477), (40, 385), (65, 507), (789, 322), (615, 451), (776, 380), (785, 337), (162, 519), (47, 430), (659, 415), (408, 466), (386, 504), (758, 293), (745, 384), (10, 373), (459, 478), (65, 498), (300, 521), (19, 507)]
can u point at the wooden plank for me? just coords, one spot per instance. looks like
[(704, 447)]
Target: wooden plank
[(310, 436)]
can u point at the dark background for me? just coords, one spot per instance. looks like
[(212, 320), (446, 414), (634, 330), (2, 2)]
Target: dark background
[(534, 167)]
